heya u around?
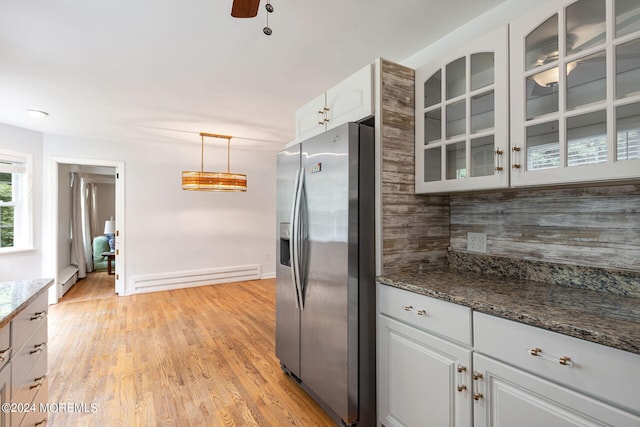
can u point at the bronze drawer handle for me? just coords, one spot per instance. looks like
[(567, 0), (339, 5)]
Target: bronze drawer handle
[(38, 348), (38, 316), (3, 353)]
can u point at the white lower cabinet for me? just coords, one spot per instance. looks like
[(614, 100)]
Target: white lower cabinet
[(26, 372), (528, 376), (5, 394), (507, 396), (430, 374), (423, 379)]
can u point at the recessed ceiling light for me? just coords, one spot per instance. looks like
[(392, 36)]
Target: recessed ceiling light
[(37, 113)]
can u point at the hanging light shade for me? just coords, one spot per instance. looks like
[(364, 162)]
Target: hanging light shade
[(214, 181)]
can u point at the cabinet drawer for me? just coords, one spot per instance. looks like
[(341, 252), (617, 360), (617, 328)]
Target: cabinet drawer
[(604, 372), (31, 383), (443, 318), (28, 320), (34, 418), (5, 345), (29, 355)]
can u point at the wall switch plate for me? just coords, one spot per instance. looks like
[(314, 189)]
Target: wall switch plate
[(477, 242)]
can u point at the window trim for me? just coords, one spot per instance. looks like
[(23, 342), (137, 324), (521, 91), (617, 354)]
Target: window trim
[(25, 223)]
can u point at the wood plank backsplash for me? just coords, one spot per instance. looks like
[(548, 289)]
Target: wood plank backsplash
[(597, 226), (415, 228), (590, 226)]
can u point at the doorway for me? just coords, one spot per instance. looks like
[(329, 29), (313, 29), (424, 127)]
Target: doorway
[(105, 179)]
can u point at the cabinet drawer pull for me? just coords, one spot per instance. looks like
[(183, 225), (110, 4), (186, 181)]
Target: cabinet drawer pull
[(38, 316), (462, 388), (477, 376), (477, 396), (38, 348), (422, 312), (38, 382), (564, 360), (4, 353), (407, 308)]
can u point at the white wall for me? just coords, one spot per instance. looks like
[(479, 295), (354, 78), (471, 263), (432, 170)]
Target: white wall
[(105, 203), (27, 264), (169, 230), (494, 18)]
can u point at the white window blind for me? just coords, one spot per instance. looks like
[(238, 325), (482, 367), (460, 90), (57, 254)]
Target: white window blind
[(628, 145)]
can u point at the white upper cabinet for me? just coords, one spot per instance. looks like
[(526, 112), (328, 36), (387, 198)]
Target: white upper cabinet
[(462, 118), (575, 92), (349, 101)]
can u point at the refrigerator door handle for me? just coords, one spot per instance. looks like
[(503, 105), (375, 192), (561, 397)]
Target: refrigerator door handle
[(296, 238), (293, 247)]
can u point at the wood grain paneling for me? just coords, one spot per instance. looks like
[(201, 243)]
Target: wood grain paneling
[(590, 226), (415, 229)]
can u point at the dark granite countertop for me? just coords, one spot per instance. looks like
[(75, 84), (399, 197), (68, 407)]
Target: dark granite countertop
[(16, 296), (600, 317)]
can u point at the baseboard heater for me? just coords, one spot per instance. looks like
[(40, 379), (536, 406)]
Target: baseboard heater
[(66, 279), (187, 279)]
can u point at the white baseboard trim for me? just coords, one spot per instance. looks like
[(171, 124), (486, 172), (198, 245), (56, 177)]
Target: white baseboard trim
[(66, 279), (187, 279), (271, 275)]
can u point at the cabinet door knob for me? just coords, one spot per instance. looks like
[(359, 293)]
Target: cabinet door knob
[(477, 396), (462, 388)]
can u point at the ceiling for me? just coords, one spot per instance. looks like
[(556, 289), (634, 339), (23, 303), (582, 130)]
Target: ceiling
[(160, 70)]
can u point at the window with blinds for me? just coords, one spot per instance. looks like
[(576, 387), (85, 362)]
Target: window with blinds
[(15, 203)]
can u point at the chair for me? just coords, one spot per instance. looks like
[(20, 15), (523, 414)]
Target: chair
[(100, 244)]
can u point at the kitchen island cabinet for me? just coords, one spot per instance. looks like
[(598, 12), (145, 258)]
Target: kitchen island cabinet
[(23, 379)]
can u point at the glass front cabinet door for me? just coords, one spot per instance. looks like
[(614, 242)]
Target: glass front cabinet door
[(575, 92), (462, 118)]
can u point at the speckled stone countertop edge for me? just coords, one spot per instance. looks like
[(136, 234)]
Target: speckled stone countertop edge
[(627, 338), (22, 293)]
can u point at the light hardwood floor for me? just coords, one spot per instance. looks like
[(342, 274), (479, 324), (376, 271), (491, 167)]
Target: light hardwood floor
[(193, 357)]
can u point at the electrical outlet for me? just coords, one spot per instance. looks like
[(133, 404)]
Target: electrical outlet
[(477, 242)]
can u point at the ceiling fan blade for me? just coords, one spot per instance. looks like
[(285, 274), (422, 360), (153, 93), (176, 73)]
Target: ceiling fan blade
[(244, 8)]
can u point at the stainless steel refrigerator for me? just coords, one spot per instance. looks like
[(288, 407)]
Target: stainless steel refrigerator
[(325, 284)]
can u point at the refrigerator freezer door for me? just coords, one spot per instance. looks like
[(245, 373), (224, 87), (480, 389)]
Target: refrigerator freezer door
[(328, 358), (287, 313)]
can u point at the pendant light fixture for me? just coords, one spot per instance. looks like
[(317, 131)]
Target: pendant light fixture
[(214, 181)]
